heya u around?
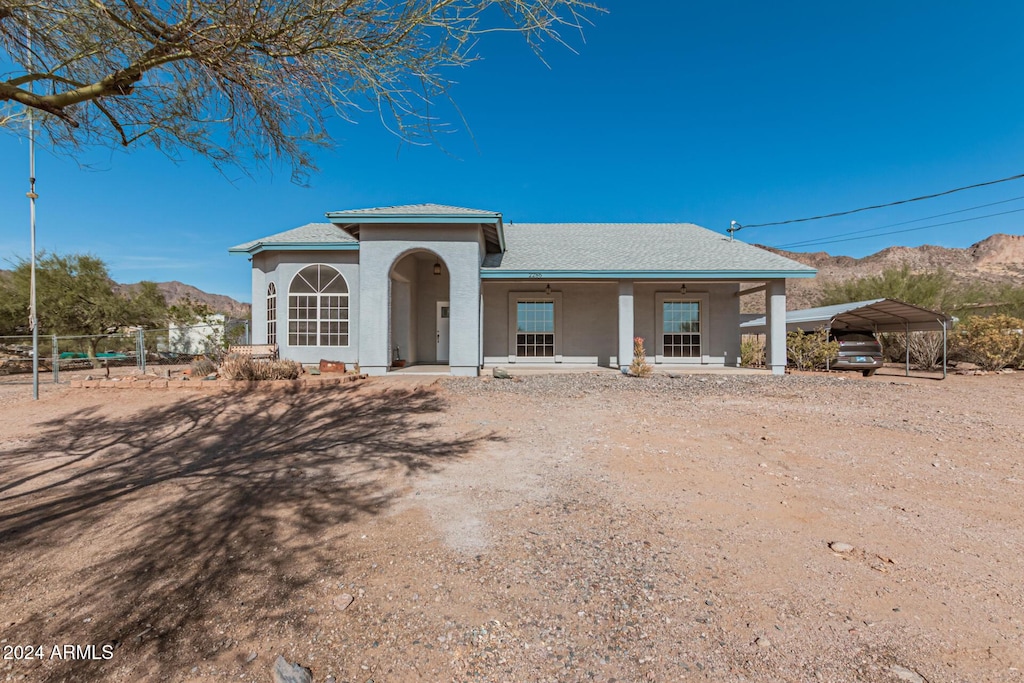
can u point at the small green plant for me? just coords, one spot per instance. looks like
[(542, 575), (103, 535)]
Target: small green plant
[(752, 351), (246, 368), (201, 367), (990, 342), (811, 350), (639, 367)]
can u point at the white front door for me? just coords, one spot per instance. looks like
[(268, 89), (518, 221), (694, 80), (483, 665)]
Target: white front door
[(443, 311)]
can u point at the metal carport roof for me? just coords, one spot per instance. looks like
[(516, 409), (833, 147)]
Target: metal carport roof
[(881, 315)]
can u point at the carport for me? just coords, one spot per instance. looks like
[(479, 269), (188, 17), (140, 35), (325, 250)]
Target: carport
[(880, 315)]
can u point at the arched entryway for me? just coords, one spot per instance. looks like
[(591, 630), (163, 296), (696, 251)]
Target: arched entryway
[(420, 307)]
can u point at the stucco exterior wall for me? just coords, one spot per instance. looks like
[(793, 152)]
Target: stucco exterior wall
[(588, 317), (430, 289), (280, 267), (458, 248), (721, 319)]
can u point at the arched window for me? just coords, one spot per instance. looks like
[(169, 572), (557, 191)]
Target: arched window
[(318, 308), (271, 313)]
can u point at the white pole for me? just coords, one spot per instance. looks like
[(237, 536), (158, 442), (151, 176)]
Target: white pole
[(33, 319)]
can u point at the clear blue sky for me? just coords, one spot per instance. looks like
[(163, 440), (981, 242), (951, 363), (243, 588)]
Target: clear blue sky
[(671, 111)]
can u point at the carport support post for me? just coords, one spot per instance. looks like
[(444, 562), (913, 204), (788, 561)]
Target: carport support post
[(908, 350), (775, 321), (56, 360), (943, 348)]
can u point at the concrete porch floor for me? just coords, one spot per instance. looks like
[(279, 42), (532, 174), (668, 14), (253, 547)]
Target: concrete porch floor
[(563, 368)]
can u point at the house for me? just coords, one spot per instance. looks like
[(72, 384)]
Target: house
[(432, 284)]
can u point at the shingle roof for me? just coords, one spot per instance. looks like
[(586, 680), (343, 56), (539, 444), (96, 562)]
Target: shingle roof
[(318, 234), (419, 210), (662, 247), (586, 247)]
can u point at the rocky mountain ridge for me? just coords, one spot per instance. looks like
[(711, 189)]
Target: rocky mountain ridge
[(998, 258), (175, 292)]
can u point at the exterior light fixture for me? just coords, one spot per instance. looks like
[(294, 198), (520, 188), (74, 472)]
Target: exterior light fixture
[(437, 268), (547, 289), (682, 289)]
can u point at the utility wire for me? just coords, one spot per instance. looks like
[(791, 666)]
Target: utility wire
[(737, 226), (923, 227), (893, 225)]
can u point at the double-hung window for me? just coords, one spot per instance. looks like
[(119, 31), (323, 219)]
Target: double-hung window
[(535, 329)]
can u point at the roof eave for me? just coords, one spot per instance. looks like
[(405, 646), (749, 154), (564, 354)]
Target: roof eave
[(496, 273), (294, 246)]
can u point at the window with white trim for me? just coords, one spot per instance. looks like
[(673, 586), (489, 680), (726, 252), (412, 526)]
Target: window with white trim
[(271, 313), (318, 308), (535, 329), (681, 329)]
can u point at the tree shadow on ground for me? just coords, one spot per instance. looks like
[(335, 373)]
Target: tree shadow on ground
[(216, 508)]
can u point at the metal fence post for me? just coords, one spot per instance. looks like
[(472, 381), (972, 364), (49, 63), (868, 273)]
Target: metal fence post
[(140, 350), (56, 361)]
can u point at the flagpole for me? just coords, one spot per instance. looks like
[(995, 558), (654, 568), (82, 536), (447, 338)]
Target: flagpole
[(33, 319)]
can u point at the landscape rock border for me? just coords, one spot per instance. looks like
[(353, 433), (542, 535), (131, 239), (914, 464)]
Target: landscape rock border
[(201, 385)]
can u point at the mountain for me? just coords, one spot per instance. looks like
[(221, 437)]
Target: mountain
[(999, 258), (175, 291)]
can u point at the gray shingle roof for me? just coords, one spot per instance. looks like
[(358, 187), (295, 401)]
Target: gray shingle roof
[(319, 234), (663, 247), (586, 247), (418, 210)]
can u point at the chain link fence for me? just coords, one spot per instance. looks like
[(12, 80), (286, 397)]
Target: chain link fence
[(134, 350)]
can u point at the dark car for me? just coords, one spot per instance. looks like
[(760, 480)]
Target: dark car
[(858, 350)]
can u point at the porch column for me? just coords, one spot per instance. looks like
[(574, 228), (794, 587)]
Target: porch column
[(625, 324), (775, 322)]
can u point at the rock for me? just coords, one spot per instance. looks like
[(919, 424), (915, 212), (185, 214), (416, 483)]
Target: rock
[(501, 373), (252, 656), (905, 674), (840, 547), (762, 642), (330, 679), (211, 376), (343, 601), (286, 672), (89, 378)]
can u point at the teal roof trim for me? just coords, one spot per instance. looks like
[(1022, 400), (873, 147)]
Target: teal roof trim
[(488, 274)]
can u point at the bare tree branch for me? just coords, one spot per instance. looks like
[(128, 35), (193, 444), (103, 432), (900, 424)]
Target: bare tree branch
[(242, 80)]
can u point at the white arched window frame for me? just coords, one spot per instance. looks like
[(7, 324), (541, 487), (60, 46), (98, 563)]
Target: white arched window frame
[(271, 313), (318, 311)]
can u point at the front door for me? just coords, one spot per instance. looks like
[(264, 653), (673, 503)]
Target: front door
[(443, 310)]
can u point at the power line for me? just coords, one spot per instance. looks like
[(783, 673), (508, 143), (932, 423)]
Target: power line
[(893, 225), (923, 227), (736, 226)]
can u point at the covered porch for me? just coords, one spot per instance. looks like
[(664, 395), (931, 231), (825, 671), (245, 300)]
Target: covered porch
[(563, 323)]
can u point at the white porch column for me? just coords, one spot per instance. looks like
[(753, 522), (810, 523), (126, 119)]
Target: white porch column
[(625, 324), (775, 322)]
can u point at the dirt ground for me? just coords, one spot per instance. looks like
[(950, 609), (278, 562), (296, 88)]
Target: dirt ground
[(585, 527)]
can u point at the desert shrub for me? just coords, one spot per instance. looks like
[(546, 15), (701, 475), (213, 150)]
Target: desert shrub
[(246, 368), (752, 351), (811, 350), (639, 367), (990, 342), (201, 367), (926, 350), (935, 289)]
